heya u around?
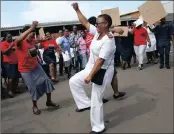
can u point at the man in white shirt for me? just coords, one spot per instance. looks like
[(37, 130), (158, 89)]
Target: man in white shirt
[(60, 55)]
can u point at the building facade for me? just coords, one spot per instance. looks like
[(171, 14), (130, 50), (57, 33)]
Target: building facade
[(54, 27)]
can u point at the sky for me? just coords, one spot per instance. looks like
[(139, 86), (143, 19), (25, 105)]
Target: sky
[(18, 13)]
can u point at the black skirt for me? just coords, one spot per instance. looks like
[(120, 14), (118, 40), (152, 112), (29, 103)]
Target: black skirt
[(126, 54), (49, 57), (11, 70)]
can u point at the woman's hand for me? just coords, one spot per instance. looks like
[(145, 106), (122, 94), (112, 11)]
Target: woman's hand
[(75, 6), (88, 79), (34, 24)]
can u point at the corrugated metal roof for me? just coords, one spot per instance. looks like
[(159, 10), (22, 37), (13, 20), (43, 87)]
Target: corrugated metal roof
[(47, 24)]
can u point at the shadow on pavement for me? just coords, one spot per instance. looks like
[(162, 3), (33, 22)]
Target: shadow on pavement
[(129, 112)]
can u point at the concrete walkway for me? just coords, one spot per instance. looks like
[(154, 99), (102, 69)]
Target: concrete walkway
[(147, 107)]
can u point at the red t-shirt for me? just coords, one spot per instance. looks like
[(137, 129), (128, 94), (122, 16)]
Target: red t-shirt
[(25, 62), (47, 43), (12, 57), (89, 38), (140, 36)]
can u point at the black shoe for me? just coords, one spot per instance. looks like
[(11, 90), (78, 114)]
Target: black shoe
[(161, 66), (167, 66), (105, 100), (121, 94), (93, 132), (84, 109)]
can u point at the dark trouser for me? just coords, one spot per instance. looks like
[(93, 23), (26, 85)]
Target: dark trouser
[(68, 70), (129, 60), (156, 53), (46, 69), (117, 58), (151, 55), (73, 62), (77, 62), (164, 50), (61, 64)]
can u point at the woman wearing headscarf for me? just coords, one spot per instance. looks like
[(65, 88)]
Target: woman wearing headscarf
[(10, 64), (140, 41), (150, 51), (34, 76), (50, 47), (102, 51)]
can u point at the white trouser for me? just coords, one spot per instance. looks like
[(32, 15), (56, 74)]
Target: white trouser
[(139, 50), (82, 101)]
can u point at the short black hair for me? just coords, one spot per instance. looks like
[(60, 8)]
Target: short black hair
[(92, 20), (4, 36), (107, 18), (26, 28)]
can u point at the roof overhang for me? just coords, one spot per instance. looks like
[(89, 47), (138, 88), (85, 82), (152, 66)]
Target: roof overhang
[(50, 24)]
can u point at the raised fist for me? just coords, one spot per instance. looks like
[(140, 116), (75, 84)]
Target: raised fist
[(34, 24), (75, 6)]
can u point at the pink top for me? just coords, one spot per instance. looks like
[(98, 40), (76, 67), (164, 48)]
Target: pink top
[(82, 45)]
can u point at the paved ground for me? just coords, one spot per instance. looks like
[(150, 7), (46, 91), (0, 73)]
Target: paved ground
[(147, 108)]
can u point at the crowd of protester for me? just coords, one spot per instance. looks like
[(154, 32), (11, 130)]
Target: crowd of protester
[(85, 52)]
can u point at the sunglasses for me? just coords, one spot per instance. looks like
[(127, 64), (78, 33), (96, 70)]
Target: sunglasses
[(98, 23)]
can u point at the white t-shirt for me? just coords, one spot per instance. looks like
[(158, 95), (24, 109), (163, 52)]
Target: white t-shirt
[(104, 48)]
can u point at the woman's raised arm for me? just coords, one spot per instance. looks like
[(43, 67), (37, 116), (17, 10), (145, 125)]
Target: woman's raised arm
[(26, 33), (81, 17)]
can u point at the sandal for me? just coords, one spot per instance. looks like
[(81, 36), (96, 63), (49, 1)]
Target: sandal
[(36, 111), (51, 104)]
